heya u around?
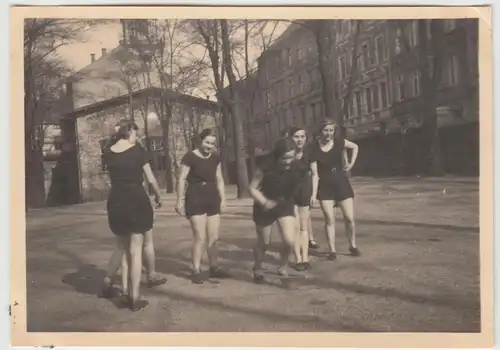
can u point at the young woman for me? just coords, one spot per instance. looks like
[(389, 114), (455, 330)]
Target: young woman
[(310, 146), (273, 189), (331, 185), (302, 198), (204, 199), (130, 213)]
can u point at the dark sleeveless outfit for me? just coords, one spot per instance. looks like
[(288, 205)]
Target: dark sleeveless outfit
[(333, 182), (129, 207), (303, 195), (202, 194), (280, 185)]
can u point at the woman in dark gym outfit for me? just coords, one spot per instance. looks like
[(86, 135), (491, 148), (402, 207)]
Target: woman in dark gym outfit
[(204, 200), (302, 198), (331, 185), (130, 213), (273, 189)]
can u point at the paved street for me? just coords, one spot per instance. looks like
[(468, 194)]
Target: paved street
[(419, 271)]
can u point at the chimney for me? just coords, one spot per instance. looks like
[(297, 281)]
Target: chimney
[(92, 57), (103, 50)]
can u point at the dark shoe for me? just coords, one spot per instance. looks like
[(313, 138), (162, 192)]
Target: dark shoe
[(216, 272), (137, 305), (306, 265), (156, 280), (197, 278), (332, 256), (299, 267), (313, 245), (355, 251), (109, 292), (258, 277)]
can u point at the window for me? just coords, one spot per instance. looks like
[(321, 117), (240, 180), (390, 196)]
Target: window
[(103, 144), (342, 68), (413, 33), (349, 109), (289, 57), (268, 99), (400, 88), (383, 94), (372, 54), (315, 79), (353, 104), (359, 103), (300, 53), (267, 133), (344, 29), (452, 70), (302, 86), (397, 42), (375, 97), (291, 88), (430, 66), (428, 28), (368, 97), (364, 55), (416, 83), (450, 24)]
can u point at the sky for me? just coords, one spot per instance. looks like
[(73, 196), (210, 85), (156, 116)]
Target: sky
[(77, 55)]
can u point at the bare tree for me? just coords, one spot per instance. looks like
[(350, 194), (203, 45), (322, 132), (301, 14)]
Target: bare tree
[(42, 68), (165, 51), (353, 74), (241, 165), (431, 74), (208, 34), (324, 33), (258, 39)]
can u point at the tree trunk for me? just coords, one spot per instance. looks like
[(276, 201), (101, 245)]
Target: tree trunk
[(252, 90), (33, 157), (430, 141), (222, 141), (352, 78), (326, 69), (165, 127), (241, 165)]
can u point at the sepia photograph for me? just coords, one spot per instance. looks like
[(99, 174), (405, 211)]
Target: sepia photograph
[(314, 170)]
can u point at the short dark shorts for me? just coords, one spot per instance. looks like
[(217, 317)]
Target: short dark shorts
[(263, 217), (201, 199), (335, 186), (129, 210), (303, 196)]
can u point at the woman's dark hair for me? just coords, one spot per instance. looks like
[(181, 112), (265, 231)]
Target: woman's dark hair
[(122, 130), (283, 146), (207, 132), (289, 132), (196, 140), (294, 129), (326, 122)]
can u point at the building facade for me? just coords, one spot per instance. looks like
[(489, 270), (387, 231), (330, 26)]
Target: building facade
[(384, 107)]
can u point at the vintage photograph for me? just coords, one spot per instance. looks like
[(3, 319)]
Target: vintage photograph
[(250, 175)]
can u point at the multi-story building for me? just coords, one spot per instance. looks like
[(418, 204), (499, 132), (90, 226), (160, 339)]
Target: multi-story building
[(384, 107)]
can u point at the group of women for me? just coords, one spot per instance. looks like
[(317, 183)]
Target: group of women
[(297, 176)]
